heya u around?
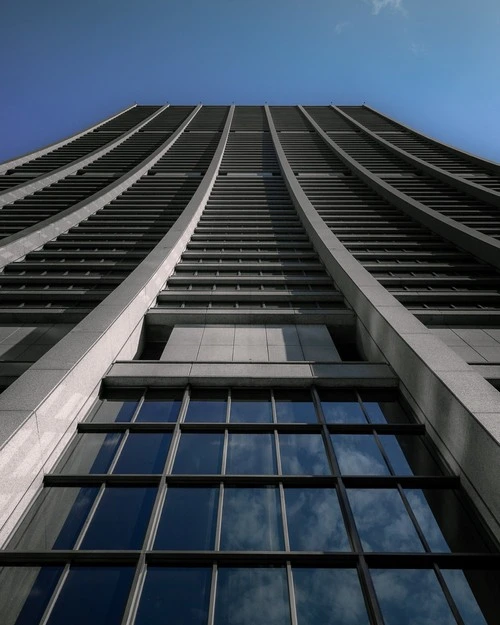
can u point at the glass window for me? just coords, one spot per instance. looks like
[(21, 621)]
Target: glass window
[(251, 454), (188, 519), (199, 454), (118, 407), (329, 596), (314, 520), (144, 453), (251, 407), (92, 594), (382, 520), (175, 595), (253, 596), (407, 597), (294, 407), (25, 593), (207, 406), (382, 407), (160, 406), (303, 454), (251, 519), (341, 407), (459, 584), (92, 453), (56, 519), (409, 456), (358, 455), (121, 518)]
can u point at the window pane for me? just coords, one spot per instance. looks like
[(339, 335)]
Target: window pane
[(251, 519), (464, 597), (188, 519), (409, 456), (329, 597), (118, 409), (121, 519), (25, 593), (56, 519), (381, 407), (179, 596), (294, 407), (303, 454), (93, 453), (382, 520), (341, 407), (251, 407), (199, 454), (358, 455), (144, 453), (407, 597), (207, 407), (160, 406), (94, 595), (251, 454), (256, 596), (314, 520)]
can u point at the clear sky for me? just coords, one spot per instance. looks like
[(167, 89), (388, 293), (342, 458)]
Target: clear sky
[(434, 64)]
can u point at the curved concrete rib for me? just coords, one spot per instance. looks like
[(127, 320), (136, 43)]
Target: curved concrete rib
[(483, 162), (461, 410), (39, 410), (18, 245), (20, 160), (464, 184), (477, 243), (36, 184)]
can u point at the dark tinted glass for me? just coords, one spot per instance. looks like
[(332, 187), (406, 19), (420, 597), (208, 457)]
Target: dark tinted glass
[(160, 407), (250, 407), (199, 454), (93, 453), (56, 519), (341, 407), (382, 407), (121, 519), (329, 596), (409, 456), (463, 595), (407, 597), (382, 520), (144, 453), (94, 595), (207, 407), (179, 596), (358, 455), (294, 407), (188, 519), (314, 520), (251, 519), (251, 454), (257, 596), (117, 409), (25, 593), (303, 454)]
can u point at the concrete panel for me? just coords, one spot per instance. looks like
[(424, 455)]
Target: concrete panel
[(257, 353), (282, 335), (218, 335)]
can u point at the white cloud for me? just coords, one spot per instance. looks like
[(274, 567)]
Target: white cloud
[(380, 5), (340, 27)]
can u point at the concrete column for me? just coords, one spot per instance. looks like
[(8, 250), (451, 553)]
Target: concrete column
[(38, 412)]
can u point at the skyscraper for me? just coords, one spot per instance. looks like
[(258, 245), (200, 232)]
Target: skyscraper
[(250, 358)]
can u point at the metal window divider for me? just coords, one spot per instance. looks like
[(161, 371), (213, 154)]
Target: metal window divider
[(55, 594)]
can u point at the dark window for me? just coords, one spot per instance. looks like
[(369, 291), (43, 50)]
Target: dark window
[(121, 519), (199, 454), (381, 407), (463, 596), (250, 407), (143, 453), (117, 407), (294, 407), (179, 596), (188, 519), (303, 454), (92, 453), (409, 456), (160, 406), (207, 407), (251, 454)]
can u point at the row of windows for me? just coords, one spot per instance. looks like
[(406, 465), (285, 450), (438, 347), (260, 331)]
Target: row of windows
[(232, 595)]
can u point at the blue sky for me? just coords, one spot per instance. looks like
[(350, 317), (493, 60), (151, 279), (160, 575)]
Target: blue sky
[(433, 64)]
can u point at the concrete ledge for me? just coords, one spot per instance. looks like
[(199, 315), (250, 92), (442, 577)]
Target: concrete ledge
[(169, 316), (43, 405), (18, 245), (461, 409)]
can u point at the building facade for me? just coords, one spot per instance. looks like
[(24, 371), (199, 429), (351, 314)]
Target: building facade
[(250, 361)]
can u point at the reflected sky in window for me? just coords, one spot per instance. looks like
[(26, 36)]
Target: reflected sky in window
[(294, 407), (314, 520), (303, 454), (251, 407), (160, 409), (256, 596), (143, 453), (426, 520), (251, 520), (329, 597), (358, 455), (382, 520), (115, 411), (199, 454), (93, 453), (251, 454), (411, 597), (206, 407), (463, 597), (341, 407)]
